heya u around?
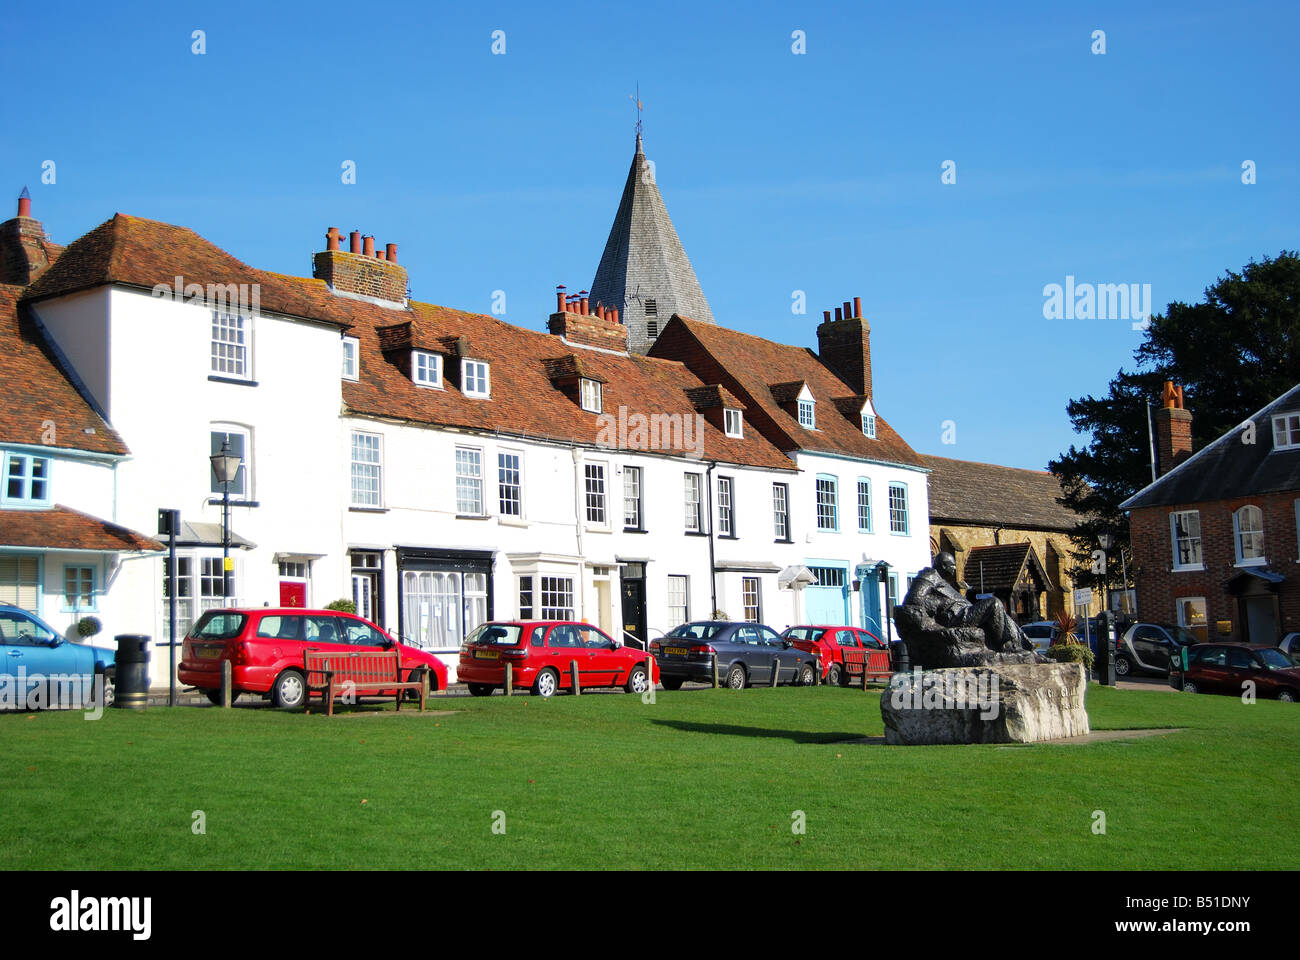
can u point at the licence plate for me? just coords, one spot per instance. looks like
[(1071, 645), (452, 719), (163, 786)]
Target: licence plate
[(675, 651), (208, 653), (486, 655)]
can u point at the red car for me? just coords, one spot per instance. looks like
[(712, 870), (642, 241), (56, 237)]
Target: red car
[(1227, 667), (829, 642), (540, 653), (265, 648)]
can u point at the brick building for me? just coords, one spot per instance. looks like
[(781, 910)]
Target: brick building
[(1215, 542)]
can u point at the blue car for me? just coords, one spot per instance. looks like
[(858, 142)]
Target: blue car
[(38, 667)]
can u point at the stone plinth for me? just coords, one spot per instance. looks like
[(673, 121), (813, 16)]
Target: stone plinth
[(1002, 703)]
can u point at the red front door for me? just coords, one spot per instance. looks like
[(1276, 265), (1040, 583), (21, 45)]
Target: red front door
[(293, 593)]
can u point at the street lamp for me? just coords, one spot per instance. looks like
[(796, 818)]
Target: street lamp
[(226, 466), (1105, 541)]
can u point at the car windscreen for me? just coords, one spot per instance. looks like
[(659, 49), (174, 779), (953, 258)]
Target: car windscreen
[(1275, 659), (495, 634), (218, 625)]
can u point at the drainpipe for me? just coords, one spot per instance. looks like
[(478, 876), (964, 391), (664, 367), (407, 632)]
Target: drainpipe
[(578, 517), (713, 572)]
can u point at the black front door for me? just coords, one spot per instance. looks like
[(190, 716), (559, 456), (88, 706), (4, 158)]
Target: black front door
[(634, 610)]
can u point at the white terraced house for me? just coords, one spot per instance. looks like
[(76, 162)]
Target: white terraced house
[(440, 467)]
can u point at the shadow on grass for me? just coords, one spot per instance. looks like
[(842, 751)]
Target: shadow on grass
[(730, 730)]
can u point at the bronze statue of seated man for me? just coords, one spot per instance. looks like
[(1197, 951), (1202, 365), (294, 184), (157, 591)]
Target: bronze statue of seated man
[(943, 629)]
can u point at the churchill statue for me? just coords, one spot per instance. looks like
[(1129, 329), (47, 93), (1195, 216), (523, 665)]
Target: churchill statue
[(943, 629)]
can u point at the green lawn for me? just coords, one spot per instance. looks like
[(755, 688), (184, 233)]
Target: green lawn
[(698, 779)]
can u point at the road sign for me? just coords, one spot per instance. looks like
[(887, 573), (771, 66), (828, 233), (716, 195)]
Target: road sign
[(1083, 597)]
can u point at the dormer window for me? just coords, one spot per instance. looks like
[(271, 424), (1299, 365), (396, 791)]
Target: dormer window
[(733, 423), (807, 414), (591, 395), (1286, 431), (351, 358), (868, 420), (426, 368), (474, 378)]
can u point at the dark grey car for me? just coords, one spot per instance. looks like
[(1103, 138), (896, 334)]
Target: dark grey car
[(745, 652)]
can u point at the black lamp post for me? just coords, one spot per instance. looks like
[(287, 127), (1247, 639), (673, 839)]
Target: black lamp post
[(226, 466)]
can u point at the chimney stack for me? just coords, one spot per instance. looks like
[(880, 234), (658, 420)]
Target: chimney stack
[(844, 346), (579, 322), (361, 270), (1173, 429), (25, 251)]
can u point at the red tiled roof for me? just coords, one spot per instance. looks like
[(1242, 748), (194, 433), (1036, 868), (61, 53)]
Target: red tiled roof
[(40, 406), (62, 528), (146, 253), (525, 401), (765, 374)]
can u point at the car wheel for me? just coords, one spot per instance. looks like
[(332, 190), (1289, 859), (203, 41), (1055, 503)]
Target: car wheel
[(638, 680), (290, 690), (834, 676), (671, 683), (736, 677), (547, 683), (807, 675), (214, 696), (480, 689), (1189, 686), (1123, 667), (415, 677), (1286, 696)]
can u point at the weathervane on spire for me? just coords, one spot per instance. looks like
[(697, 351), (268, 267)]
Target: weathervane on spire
[(639, 106)]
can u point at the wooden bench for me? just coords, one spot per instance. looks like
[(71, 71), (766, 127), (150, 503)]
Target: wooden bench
[(871, 663), (364, 672)]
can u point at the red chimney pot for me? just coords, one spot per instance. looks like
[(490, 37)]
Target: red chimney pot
[(354, 241), (857, 307), (392, 252)]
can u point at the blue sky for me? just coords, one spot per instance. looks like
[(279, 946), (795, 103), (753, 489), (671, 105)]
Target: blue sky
[(818, 172)]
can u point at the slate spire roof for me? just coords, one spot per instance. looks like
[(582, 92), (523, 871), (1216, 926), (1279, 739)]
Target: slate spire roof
[(644, 267)]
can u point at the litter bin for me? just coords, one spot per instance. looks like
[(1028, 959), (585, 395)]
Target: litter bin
[(132, 672), (902, 662)]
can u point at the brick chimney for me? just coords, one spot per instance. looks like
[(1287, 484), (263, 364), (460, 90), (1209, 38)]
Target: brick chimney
[(1173, 429), (844, 346), (579, 322), (361, 271), (25, 251)]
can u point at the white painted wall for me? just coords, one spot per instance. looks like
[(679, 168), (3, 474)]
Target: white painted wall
[(155, 382)]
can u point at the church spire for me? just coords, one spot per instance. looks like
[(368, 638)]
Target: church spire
[(644, 270)]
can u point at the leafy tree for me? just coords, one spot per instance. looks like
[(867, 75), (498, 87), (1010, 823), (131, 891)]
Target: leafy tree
[(1232, 354)]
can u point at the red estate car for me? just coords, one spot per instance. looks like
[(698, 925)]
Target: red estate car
[(1226, 667), (540, 652), (265, 648), (828, 643)]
